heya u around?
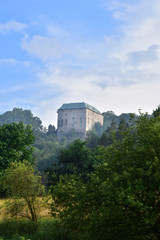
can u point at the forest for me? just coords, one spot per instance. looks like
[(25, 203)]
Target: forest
[(106, 187)]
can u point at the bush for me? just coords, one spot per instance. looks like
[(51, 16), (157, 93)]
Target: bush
[(46, 229)]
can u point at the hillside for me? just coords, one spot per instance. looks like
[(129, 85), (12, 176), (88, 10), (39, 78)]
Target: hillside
[(47, 146)]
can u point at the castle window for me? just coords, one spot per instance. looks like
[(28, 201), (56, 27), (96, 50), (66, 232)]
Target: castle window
[(81, 120), (65, 122), (61, 122)]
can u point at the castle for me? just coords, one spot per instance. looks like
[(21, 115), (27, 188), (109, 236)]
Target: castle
[(79, 116)]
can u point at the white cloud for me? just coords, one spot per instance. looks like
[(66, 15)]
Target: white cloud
[(8, 61), (57, 31), (53, 47), (43, 47), (150, 55), (119, 98), (119, 74), (140, 26), (107, 88), (120, 9), (12, 26), (113, 5)]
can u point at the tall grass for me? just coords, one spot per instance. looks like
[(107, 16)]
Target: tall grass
[(47, 228)]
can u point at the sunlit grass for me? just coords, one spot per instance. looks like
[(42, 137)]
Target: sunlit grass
[(2, 208), (44, 211), (47, 227)]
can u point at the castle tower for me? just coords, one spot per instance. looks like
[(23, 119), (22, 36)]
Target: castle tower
[(79, 116)]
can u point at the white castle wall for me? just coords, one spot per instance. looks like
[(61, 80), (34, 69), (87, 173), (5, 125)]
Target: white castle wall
[(81, 120), (92, 118)]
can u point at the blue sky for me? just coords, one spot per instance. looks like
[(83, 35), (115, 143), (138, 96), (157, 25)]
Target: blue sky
[(103, 52)]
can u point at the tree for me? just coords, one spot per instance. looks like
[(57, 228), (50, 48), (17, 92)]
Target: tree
[(122, 198), (76, 158), (92, 139), (20, 115), (51, 130), (123, 125), (24, 187), (109, 134), (156, 112), (98, 129), (104, 140), (16, 141)]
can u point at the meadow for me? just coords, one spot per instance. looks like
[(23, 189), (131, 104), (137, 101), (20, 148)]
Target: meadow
[(47, 227)]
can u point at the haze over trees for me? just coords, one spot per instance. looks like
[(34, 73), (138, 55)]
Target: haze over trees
[(47, 146), (20, 115)]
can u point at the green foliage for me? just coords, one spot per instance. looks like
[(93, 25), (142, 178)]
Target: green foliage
[(72, 134), (111, 116), (98, 129), (76, 158), (46, 150), (15, 143), (103, 135), (92, 139), (122, 198), (122, 128), (46, 229), (47, 145), (156, 112), (51, 130), (24, 186), (104, 140), (20, 115)]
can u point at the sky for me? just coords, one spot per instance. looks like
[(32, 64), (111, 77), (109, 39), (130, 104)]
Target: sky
[(102, 52)]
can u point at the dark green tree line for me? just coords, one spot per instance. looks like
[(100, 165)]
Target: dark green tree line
[(122, 198)]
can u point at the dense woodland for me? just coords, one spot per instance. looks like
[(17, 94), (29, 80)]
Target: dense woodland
[(106, 187), (47, 146)]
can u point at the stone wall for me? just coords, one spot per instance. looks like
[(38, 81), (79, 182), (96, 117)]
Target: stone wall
[(92, 118), (81, 120), (72, 118)]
